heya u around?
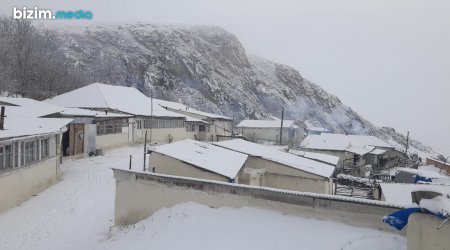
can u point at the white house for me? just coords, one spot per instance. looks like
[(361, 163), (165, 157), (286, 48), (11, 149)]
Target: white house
[(354, 151), (273, 168), (197, 159), (269, 130), (213, 127), (161, 125), (29, 156)]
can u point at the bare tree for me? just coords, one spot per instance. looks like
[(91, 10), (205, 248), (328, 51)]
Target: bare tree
[(32, 64)]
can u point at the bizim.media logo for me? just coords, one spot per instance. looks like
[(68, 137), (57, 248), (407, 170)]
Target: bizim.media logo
[(37, 13)]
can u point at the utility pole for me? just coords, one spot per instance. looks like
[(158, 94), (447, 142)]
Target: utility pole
[(407, 143), (151, 115), (2, 118), (281, 128), (145, 150)]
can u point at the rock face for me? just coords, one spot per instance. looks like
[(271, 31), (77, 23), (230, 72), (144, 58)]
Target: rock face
[(207, 68)]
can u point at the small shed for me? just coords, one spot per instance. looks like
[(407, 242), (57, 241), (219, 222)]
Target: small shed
[(273, 168), (197, 159)]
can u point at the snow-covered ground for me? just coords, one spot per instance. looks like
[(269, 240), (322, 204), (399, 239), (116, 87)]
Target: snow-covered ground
[(77, 213)]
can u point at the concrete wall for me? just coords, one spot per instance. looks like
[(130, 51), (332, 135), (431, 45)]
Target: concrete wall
[(139, 195), (277, 175), (110, 141), (422, 233), (20, 184), (167, 165)]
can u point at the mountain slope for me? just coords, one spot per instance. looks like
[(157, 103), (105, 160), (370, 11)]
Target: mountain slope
[(207, 68)]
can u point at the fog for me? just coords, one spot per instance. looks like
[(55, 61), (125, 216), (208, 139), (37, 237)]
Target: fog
[(388, 60)]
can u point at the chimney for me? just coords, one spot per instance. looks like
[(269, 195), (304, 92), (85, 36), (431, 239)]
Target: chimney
[(2, 118)]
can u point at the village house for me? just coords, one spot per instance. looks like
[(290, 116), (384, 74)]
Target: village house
[(160, 125), (269, 130), (357, 153), (273, 168), (213, 128), (30, 151), (197, 159)]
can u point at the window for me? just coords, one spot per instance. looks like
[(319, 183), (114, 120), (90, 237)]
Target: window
[(161, 123), (190, 127), (44, 148), (5, 157), (201, 128), (111, 126), (30, 151)]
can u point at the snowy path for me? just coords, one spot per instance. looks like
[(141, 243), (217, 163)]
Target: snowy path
[(77, 213), (73, 214)]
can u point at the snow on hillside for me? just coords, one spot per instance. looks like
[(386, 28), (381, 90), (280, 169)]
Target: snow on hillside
[(77, 213)]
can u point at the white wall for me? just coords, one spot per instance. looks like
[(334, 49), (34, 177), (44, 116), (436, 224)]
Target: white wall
[(422, 233), (110, 141), (20, 184), (140, 195), (280, 176), (272, 134)]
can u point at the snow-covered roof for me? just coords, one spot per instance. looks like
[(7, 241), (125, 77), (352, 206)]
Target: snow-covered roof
[(435, 176), (360, 144), (400, 193), (26, 107), (89, 113), (26, 126), (331, 159), (193, 119), (314, 127), (266, 124), (103, 96), (290, 160), (184, 108), (205, 156)]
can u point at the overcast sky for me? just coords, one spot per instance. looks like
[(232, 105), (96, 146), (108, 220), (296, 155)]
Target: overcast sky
[(388, 60)]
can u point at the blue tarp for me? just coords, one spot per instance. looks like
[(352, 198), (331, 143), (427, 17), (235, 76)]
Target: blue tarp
[(422, 179), (400, 218)]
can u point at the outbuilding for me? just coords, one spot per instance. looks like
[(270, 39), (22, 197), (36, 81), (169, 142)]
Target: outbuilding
[(273, 168), (197, 159)]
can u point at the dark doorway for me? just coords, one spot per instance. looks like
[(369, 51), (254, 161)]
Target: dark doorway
[(65, 143)]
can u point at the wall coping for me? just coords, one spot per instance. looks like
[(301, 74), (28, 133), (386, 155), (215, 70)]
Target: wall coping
[(233, 188)]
